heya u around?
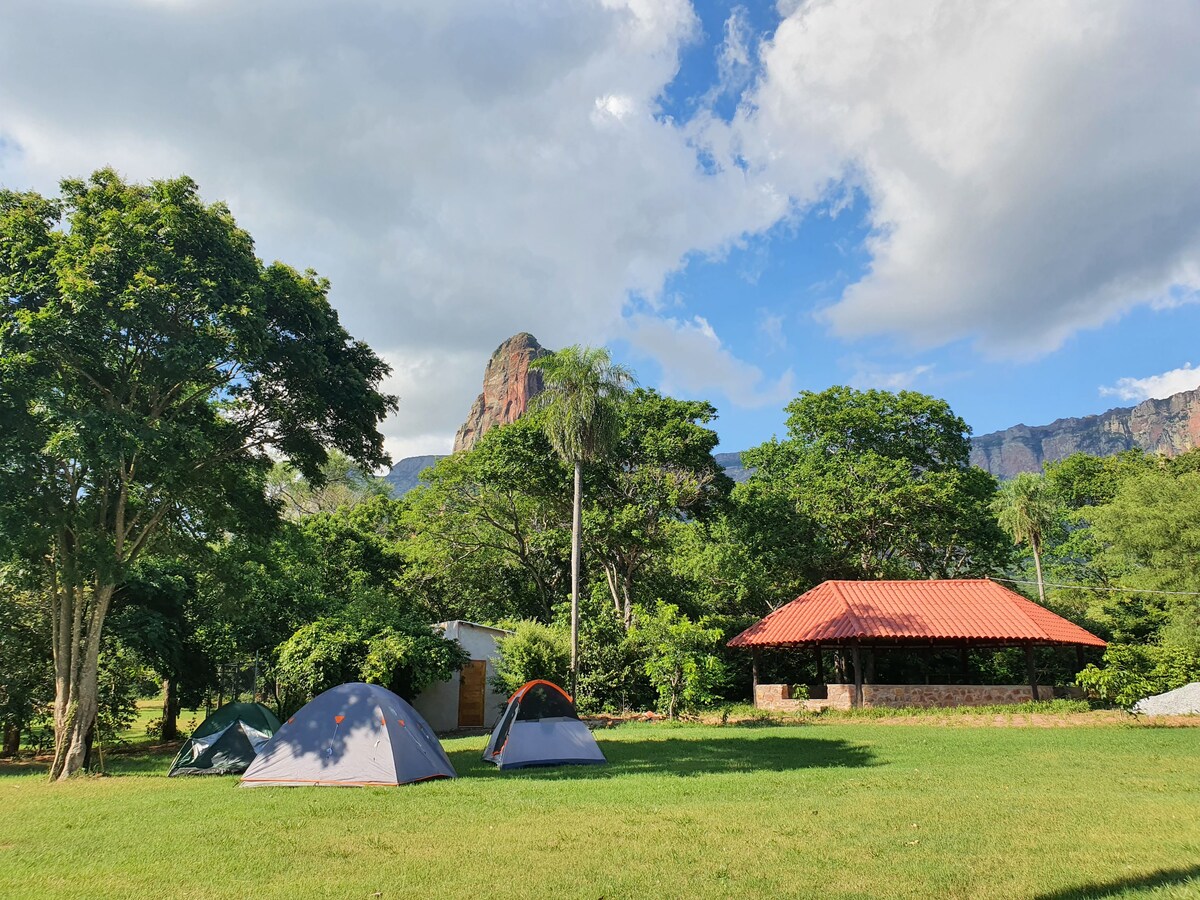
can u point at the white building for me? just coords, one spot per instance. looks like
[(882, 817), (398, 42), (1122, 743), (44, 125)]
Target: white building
[(467, 700)]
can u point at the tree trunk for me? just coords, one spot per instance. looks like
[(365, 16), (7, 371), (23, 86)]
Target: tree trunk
[(170, 713), (12, 739), (576, 528), (77, 624), (1037, 564)]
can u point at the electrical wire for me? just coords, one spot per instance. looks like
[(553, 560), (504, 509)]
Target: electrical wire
[(1094, 587)]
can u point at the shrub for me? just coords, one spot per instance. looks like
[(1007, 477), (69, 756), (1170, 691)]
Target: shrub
[(532, 651), (678, 658)]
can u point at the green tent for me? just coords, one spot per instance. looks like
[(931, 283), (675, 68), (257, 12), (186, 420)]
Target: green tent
[(227, 741)]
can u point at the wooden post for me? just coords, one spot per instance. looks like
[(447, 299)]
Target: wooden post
[(1078, 658), (1031, 670), (820, 665), (856, 656), (754, 676), (966, 665)]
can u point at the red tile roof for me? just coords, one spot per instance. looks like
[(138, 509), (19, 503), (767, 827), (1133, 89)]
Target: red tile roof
[(965, 610)]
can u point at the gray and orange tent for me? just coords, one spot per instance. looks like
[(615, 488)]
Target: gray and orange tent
[(352, 735), (540, 727)]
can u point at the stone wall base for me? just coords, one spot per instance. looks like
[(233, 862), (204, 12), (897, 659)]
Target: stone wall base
[(777, 697)]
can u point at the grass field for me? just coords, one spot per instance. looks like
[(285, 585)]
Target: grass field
[(850, 809)]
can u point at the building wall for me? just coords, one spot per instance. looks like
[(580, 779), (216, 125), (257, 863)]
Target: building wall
[(439, 702), (894, 696)]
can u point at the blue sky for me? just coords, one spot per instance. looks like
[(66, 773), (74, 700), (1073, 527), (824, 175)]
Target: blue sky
[(997, 205)]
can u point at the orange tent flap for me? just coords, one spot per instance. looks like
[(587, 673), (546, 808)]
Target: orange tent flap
[(523, 688)]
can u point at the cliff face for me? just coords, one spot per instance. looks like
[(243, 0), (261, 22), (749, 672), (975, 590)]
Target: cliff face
[(1170, 426), (508, 386)]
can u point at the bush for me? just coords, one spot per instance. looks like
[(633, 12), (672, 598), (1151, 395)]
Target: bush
[(679, 658), (1131, 673), (532, 651)]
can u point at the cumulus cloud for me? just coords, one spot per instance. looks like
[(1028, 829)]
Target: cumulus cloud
[(1185, 378), (696, 364), (460, 170), (1030, 167), (463, 170)]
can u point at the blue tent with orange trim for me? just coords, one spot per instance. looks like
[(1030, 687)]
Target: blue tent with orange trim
[(540, 727), (352, 735)]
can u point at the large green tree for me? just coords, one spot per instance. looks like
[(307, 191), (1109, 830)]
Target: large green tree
[(486, 532), (662, 472), (581, 414), (151, 369), (886, 481)]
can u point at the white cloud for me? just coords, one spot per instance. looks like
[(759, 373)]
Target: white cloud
[(461, 170), (867, 377), (770, 328), (1031, 167), (696, 364), (1135, 390)]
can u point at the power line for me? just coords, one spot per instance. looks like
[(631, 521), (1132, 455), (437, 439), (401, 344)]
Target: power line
[(1094, 587)]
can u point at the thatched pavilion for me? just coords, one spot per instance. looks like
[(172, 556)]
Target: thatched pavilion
[(857, 616)]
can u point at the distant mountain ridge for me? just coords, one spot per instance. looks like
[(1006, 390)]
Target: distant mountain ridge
[(406, 474), (1169, 426)]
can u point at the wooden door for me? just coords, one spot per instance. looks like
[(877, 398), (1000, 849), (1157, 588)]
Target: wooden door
[(472, 681)]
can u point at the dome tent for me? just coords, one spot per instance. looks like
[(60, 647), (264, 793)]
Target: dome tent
[(540, 727), (226, 742), (352, 735)]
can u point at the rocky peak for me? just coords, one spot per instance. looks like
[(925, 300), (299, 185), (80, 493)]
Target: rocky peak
[(1169, 426), (508, 386)]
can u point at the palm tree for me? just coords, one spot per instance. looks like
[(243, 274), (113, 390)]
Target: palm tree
[(1027, 508), (581, 405)]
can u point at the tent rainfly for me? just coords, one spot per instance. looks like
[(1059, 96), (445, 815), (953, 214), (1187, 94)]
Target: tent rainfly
[(540, 727), (353, 735), (226, 742)]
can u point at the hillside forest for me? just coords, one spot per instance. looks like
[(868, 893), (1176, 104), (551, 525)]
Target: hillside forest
[(188, 442)]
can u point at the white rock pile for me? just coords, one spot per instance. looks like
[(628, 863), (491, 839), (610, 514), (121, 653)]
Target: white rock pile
[(1179, 702)]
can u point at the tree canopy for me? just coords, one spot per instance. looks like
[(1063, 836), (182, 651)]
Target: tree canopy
[(151, 369)]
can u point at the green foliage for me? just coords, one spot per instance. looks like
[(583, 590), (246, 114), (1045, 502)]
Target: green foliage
[(152, 369), (403, 655), (319, 656), (678, 658), (26, 672), (1132, 672), (487, 536), (534, 650), (342, 483), (1027, 508), (661, 473), (408, 661), (581, 404), (885, 482)]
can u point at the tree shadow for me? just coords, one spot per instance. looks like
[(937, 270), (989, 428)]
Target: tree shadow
[(151, 761), (1189, 877), (685, 757)]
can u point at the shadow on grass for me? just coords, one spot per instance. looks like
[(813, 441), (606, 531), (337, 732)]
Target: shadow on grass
[(1189, 877), (690, 756), (152, 761)]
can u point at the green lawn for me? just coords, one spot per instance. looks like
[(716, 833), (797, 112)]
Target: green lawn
[(842, 810)]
